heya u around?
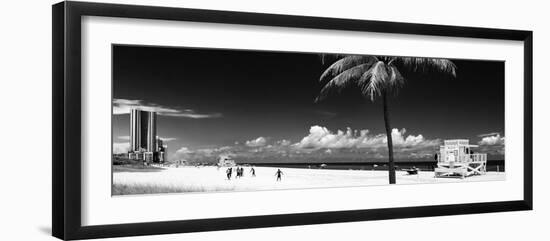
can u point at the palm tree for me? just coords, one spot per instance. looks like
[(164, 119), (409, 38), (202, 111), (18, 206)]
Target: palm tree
[(378, 76)]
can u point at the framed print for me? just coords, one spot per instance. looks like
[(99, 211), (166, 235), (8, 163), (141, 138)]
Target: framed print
[(211, 120)]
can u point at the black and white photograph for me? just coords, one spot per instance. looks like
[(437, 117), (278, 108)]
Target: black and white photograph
[(274, 120), (196, 120)]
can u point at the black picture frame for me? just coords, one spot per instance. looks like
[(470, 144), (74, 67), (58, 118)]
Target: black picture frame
[(66, 127)]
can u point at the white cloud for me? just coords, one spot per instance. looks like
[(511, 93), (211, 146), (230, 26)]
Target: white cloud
[(123, 106), (223, 148), (167, 139), (126, 102), (320, 142), (489, 134), (284, 142), (201, 153), (182, 153), (260, 141), (321, 137), (490, 140), (492, 143), (183, 150), (119, 148), (399, 139)]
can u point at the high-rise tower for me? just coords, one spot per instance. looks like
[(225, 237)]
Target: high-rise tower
[(143, 136), (143, 130)]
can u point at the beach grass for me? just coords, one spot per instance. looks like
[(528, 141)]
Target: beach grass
[(141, 188)]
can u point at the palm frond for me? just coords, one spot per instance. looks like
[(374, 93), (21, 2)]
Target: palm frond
[(343, 80), (427, 64), (325, 58), (374, 80), (395, 80), (346, 63)]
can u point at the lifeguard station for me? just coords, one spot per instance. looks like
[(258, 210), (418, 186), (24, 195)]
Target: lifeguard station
[(456, 158), (226, 161)]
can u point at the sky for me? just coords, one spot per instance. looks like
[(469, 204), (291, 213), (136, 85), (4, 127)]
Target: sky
[(259, 106)]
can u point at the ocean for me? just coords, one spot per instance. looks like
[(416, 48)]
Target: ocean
[(492, 165)]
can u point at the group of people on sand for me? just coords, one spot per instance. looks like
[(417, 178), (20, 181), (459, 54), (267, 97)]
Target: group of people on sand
[(240, 172)]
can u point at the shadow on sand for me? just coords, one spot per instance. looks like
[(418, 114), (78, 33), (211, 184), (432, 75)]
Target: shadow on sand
[(45, 230)]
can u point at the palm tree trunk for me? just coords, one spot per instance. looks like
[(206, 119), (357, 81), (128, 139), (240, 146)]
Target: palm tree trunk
[(391, 164)]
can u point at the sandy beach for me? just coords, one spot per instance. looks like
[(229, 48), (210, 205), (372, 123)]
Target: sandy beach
[(211, 179)]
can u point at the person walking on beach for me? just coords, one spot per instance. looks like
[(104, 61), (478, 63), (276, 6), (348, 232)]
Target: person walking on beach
[(279, 173), (253, 171), (229, 172)]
